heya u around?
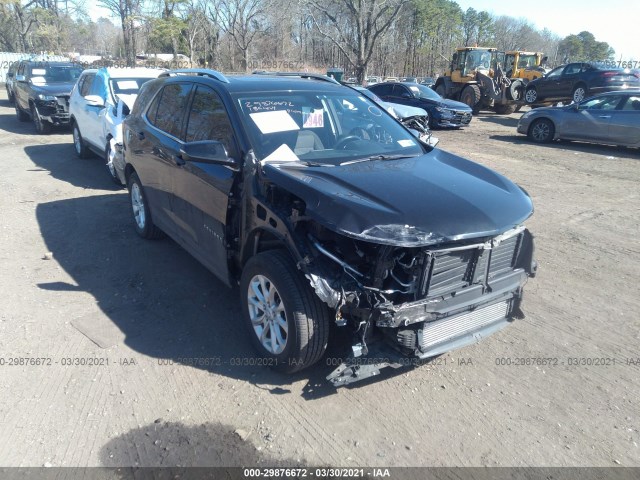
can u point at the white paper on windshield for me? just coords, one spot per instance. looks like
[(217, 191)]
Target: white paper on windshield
[(414, 89), (274, 121), (38, 71), (127, 85), (312, 119), (406, 143), (38, 80), (282, 154)]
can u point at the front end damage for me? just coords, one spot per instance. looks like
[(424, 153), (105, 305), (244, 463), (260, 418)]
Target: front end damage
[(407, 292), (416, 302)]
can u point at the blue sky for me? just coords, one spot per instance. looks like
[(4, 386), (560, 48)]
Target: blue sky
[(616, 22)]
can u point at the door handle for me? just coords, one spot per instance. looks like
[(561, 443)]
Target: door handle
[(140, 135), (179, 160), (604, 116)]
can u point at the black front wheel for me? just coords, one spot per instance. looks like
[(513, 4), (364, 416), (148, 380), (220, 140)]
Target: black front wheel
[(140, 208), (82, 151), (541, 130), (42, 126), (287, 323)]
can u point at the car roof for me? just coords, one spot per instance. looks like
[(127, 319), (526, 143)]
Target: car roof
[(272, 83), (143, 72)]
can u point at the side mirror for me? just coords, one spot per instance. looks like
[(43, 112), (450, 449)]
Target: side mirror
[(94, 101), (406, 95), (206, 151), (20, 78)]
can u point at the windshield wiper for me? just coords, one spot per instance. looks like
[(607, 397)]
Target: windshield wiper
[(379, 157)]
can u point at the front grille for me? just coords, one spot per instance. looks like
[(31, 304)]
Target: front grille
[(449, 271), (62, 104), (462, 118), (440, 331)]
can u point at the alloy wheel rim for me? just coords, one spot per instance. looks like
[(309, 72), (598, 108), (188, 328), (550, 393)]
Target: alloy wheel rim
[(137, 204), (76, 139), (267, 314), (531, 96), (540, 131), (578, 95)]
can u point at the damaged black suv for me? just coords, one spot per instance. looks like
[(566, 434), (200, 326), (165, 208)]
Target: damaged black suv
[(323, 208)]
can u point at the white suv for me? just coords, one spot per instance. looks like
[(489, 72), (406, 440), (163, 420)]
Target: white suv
[(100, 101)]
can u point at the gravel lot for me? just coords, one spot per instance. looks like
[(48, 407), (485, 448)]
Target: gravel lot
[(111, 315)]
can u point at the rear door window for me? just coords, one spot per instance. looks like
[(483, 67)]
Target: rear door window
[(167, 110)]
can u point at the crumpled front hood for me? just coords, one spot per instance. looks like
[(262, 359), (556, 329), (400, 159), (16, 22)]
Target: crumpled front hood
[(434, 198), (404, 111)]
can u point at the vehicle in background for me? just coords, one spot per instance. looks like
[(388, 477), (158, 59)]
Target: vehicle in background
[(611, 118), (372, 80), (409, 79), (324, 209), (390, 79), (577, 81), (99, 103), (41, 91), (428, 82), (414, 118), (476, 77), (525, 66), (442, 112), (9, 81)]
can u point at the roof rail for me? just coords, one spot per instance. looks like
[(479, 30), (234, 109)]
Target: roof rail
[(201, 72), (314, 76)]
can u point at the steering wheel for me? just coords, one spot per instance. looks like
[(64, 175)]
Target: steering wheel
[(344, 141)]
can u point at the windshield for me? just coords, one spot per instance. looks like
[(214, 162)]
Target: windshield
[(126, 86), (527, 61), (47, 74), (424, 92), (323, 128)]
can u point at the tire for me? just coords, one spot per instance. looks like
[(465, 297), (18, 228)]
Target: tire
[(471, 96), (579, 93), (42, 127), (502, 109), (531, 95), (541, 130), (141, 215), (82, 151), (306, 318), (110, 168), (516, 90), (22, 116), (441, 90)]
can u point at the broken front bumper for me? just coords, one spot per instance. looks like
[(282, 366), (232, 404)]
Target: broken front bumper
[(429, 328)]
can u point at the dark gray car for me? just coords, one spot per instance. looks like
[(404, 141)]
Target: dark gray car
[(611, 118)]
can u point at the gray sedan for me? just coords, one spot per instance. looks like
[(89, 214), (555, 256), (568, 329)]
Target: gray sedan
[(610, 118)]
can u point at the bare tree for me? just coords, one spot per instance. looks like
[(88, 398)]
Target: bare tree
[(128, 11), (242, 21), (355, 26)]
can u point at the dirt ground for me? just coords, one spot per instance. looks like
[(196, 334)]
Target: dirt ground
[(110, 316)]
